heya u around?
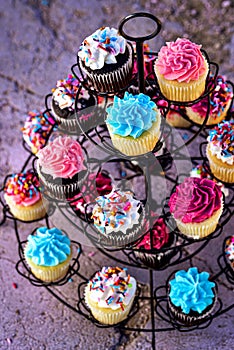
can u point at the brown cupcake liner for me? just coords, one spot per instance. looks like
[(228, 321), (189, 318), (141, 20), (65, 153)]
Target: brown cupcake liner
[(69, 124), (111, 81), (61, 192)]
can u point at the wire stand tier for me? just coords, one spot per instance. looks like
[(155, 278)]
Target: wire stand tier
[(159, 166)]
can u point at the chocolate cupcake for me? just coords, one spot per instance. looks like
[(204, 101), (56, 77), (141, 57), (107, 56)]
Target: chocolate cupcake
[(63, 102), (191, 296), (107, 60), (61, 167)]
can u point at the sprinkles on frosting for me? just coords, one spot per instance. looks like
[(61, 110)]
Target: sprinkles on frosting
[(223, 136), (24, 184), (229, 250), (109, 277), (36, 128)]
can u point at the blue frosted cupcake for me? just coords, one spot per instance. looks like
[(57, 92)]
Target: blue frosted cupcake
[(48, 254), (134, 124), (192, 296)]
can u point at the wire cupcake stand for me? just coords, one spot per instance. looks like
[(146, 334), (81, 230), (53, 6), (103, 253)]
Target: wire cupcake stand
[(128, 172)]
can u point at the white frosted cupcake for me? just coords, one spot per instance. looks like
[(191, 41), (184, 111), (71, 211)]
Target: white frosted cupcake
[(106, 59), (110, 295), (220, 151), (118, 217)]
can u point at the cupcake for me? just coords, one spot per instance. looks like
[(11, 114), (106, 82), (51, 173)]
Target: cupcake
[(134, 124), (48, 254), (118, 218), (110, 295), (181, 70), (220, 151), (99, 184), (152, 249), (201, 173), (107, 60), (174, 115), (37, 128), (22, 195), (191, 296), (61, 167), (219, 104), (196, 206), (229, 251), (63, 102)]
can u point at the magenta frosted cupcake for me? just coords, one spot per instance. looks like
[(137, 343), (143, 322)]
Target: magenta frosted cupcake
[(61, 167), (181, 70), (153, 250), (106, 59), (63, 102), (196, 206), (219, 104)]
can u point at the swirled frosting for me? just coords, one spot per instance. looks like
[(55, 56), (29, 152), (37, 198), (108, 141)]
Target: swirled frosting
[(229, 249), (219, 98), (181, 60), (132, 115), (195, 200), (23, 188), (112, 288), (160, 236), (49, 247), (101, 48), (36, 129), (116, 211), (221, 141), (191, 290), (62, 158)]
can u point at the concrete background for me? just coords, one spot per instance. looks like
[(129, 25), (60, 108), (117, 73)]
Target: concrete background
[(39, 41)]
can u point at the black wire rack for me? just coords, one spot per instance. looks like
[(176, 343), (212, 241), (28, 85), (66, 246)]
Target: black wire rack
[(158, 163)]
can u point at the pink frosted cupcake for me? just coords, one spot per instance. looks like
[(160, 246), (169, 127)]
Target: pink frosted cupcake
[(61, 167), (220, 101), (181, 70), (153, 252), (196, 206)]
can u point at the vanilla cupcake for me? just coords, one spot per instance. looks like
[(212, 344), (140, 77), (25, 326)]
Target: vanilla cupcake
[(118, 218), (181, 70), (107, 60), (196, 206), (134, 124), (219, 103), (220, 151), (61, 167), (110, 295), (22, 195), (191, 296), (48, 254)]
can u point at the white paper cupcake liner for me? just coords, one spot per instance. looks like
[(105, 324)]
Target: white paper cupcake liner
[(108, 316), (223, 173), (201, 229)]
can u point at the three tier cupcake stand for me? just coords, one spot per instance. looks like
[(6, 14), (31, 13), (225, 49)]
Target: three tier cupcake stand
[(161, 166)]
